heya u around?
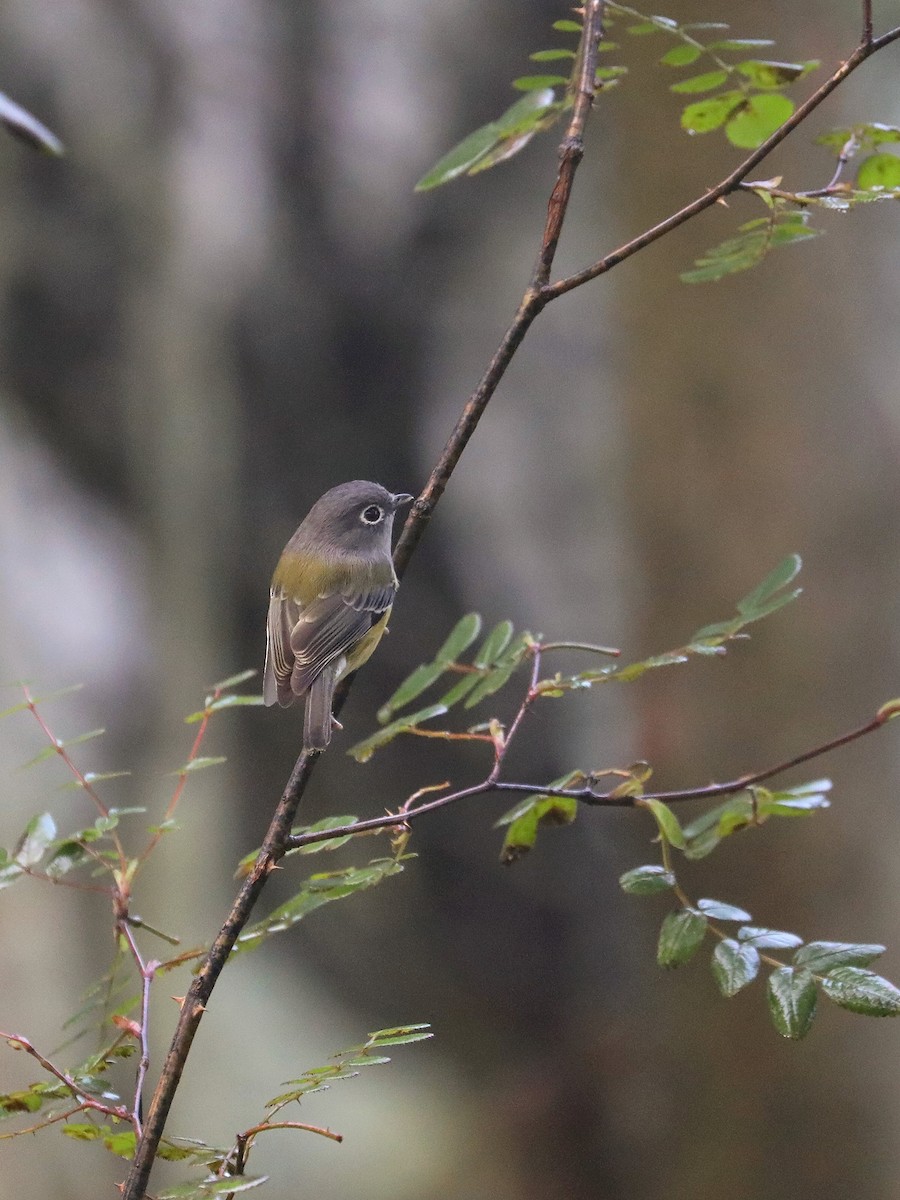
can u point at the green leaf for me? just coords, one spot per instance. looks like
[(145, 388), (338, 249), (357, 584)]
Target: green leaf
[(10, 870), (65, 858), (757, 119), (234, 680), (608, 74), (718, 911), (642, 29), (411, 687), (463, 156), (235, 700), (318, 890), (22, 125), (774, 74), (567, 26), (460, 690), (680, 937), (210, 1186), (494, 645), (647, 881), (769, 939), (681, 56), (877, 134), (740, 44), (879, 171), (498, 678), (666, 821), (820, 957), (705, 115), (522, 831), (121, 1142), (792, 1001), (322, 826), (402, 1035), (533, 799), (82, 1131), (551, 55), (538, 83), (34, 842), (461, 636), (364, 750), (786, 572), (734, 965), (495, 141), (199, 764), (862, 992), (706, 82), (739, 254)]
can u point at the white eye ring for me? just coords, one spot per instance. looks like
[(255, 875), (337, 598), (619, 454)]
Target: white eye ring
[(372, 514)]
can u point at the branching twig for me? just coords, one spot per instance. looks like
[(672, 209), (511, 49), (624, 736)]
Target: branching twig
[(194, 1003), (537, 295), (90, 791), (730, 183), (588, 794), (85, 1099), (147, 970)]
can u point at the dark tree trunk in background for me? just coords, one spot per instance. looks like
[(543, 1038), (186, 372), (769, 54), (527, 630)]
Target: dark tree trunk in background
[(228, 298)]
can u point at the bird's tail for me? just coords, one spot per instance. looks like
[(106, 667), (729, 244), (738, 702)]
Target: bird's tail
[(317, 719)]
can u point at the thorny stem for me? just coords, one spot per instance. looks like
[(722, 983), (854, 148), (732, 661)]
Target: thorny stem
[(194, 1004), (90, 791), (147, 972), (179, 786), (84, 1099), (537, 295)]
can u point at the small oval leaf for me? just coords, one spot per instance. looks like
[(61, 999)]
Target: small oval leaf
[(792, 1001), (734, 965), (647, 881), (680, 937), (862, 992)]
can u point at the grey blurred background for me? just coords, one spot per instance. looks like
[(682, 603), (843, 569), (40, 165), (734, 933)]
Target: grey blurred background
[(227, 298)]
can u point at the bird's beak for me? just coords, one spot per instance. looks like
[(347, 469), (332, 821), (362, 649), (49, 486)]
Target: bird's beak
[(401, 498)]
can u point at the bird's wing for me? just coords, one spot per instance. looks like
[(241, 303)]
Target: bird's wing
[(330, 627), (283, 616)]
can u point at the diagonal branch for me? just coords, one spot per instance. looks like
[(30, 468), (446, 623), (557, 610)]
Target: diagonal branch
[(275, 842), (537, 295)]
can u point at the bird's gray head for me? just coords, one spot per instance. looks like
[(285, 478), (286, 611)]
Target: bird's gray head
[(353, 518)]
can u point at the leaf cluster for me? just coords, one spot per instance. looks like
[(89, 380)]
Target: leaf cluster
[(489, 669), (746, 94), (837, 969)]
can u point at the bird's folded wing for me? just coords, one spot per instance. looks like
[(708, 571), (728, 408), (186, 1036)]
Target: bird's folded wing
[(303, 640)]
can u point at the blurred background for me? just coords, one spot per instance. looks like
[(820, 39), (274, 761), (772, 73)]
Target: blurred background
[(227, 298)]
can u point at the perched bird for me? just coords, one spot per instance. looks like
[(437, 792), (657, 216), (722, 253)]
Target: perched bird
[(330, 599)]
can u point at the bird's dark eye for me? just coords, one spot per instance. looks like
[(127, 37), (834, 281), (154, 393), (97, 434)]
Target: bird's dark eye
[(372, 514)]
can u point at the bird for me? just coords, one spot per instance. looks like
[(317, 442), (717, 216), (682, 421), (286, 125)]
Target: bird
[(330, 599)]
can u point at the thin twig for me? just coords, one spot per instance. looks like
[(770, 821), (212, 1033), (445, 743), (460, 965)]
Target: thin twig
[(60, 749), (84, 1098), (588, 794), (194, 1004), (147, 972)]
